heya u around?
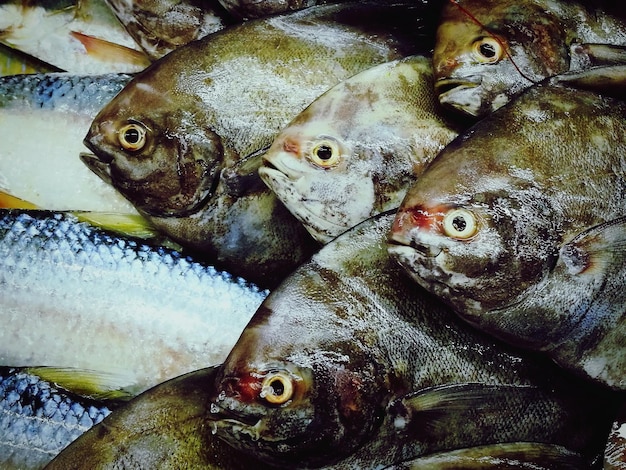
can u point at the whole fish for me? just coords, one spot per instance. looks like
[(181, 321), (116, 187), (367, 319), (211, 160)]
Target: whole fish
[(46, 117), (488, 51), (520, 225), (38, 418), (160, 26), (76, 296), (82, 37), (348, 362), (182, 140), (356, 149)]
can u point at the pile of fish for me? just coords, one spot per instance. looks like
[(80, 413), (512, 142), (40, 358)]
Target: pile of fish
[(311, 234)]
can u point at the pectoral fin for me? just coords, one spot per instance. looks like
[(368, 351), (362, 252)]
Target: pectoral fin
[(601, 54), (513, 455), (608, 80)]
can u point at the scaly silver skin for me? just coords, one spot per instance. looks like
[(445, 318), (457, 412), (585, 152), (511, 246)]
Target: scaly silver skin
[(377, 371), (75, 296), (38, 419)]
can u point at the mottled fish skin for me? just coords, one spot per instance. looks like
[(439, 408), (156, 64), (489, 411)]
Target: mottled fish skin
[(38, 419), (75, 296), (480, 67), (160, 26), (341, 359), (247, 9), (189, 120), (46, 116), (519, 225), (357, 148)]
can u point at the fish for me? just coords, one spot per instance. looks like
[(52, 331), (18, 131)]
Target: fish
[(39, 418), (76, 296), (249, 9), (161, 26), (519, 225), (182, 141), (349, 363), (356, 149), (487, 52), (615, 451), (82, 37), (164, 427), (58, 109)]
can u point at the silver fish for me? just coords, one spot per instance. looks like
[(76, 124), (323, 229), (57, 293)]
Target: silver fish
[(349, 363), (520, 225), (75, 296), (488, 51), (356, 149), (46, 117), (173, 139)]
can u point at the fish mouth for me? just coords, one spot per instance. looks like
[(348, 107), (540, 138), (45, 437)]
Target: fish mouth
[(445, 86), (98, 165)]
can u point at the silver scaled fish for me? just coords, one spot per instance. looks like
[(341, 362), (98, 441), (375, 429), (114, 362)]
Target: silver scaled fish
[(357, 148), (488, 51), (520, 225), (76, 296), (349, 363)]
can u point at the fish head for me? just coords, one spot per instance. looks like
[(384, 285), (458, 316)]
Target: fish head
[(155, 150), (487, 53), (316, 172), (477, 233), (290, 400)]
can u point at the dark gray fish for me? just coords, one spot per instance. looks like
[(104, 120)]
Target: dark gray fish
[(173, 141), (349, 363)]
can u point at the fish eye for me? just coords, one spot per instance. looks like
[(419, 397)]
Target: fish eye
[(277, 388), (132, 136), (325, 154), (487, 50), (460, 224)]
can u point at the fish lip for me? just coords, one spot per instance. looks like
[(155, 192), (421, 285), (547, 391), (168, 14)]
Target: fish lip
[(97, 165), (446, 86)]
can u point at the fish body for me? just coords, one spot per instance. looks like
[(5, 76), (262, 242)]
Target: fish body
[(355, 150), (57, 108), (38, 419), (248, 9), (160, 26), (173, 140), (487, 52), (348, 363), (519, 225), (78, 37), (75, 296)]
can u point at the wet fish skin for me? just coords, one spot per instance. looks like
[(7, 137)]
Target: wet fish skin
[(38, 419), (381, 127), (533, 246), (160, 26), (246, 9), (201, 120), (349, 363), (106, 303), (525, 43)]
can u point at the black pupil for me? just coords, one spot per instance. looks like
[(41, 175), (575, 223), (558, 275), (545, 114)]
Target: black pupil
[(488, 50), (132, 136), (324, 152), (277, 387), (459, 223)]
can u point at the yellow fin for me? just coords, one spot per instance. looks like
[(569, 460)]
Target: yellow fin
[(8, 201)]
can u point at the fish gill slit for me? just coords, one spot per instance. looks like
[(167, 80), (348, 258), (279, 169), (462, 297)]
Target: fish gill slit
[(467, 13)]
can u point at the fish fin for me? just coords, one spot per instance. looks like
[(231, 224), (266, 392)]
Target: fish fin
[(595, 250), (510, 455), (434, 411), (243, 177), (88, 383), (608, 80), (601, 54), (8, 201), (110, 52)]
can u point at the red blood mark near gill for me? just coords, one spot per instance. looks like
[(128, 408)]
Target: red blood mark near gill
[(247, 387), (291, 146), (497, 39), (416, 218)]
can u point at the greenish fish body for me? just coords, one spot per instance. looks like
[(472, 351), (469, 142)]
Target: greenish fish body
[(520, 225), (46, 116), (75, 296), (349, 363), (38, 419), (173, 140), (487, 52), (356, 149)]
